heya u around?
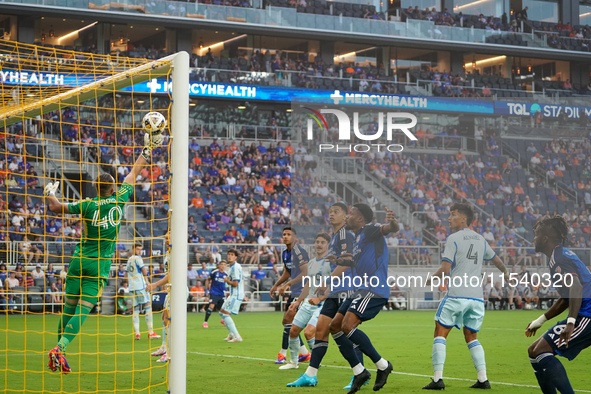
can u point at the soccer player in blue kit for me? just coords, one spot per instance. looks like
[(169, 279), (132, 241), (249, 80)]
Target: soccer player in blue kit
[(295, 261), (216, 285), (370, 261), (341, 245), (570, 336)]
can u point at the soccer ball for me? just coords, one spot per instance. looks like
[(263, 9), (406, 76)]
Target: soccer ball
[(154, 123)]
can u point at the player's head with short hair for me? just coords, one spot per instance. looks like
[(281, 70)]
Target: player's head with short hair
[(359, 216), (222, 265), (337, 214), (461, 216), (321, 244), (105, 185), (550, 232), (233, 255), (138, 245), (288, 236)]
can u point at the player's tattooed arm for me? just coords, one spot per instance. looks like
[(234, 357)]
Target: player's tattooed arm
[(557, 308), (499, 264), (392, 226), (339, 261), (284, 277)]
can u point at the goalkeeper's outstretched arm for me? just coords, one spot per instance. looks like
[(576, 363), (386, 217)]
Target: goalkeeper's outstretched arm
[(52, 202), (149, 143)]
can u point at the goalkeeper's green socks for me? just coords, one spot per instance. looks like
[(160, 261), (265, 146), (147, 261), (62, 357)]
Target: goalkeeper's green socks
[(67, 314), (72, 327)]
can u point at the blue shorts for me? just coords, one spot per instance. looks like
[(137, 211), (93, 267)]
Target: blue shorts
[(332, 304), (232, 305), (460, 312), (216, 300), (579, 340), (140, 297), (365, 304)]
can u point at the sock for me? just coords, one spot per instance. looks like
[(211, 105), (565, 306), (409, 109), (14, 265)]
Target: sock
[(359, 353), (382, 364), (360, 338), (230, 325), (207, 313), (285, 339), (310, 344), (136, 319), (438, 357), (346, 348), (303, 348), (283, 352), (546, 386), (164, 335), (293, 349), (555, 373), (67, 314), (477, 353), (358, 369), (149, 321), (318, 351), (73, 327), (311, 372)]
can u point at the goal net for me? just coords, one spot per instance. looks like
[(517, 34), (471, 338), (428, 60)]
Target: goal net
[(69, 117)]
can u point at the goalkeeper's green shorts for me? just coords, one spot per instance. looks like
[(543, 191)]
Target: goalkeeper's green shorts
[(87, 277)]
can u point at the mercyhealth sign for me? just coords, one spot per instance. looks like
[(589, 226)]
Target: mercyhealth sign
[(287, 94)]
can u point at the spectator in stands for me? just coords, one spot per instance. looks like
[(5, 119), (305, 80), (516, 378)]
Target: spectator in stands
[(259, 273), (123, 302), (191, 272), (12, 280), (64, 272), (197, 294), (203, 272), (121, 272), (3, 272), (38, 272)]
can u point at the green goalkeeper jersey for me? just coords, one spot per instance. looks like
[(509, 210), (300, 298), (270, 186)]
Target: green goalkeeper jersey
[(101, 217)]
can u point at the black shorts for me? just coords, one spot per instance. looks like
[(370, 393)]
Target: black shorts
[(291, 299), (217, 300), (579, 340), (333, 302), (365, 304)]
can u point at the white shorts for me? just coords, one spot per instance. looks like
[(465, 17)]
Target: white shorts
[(232, 305), (307, 314), (460, 312), (140, 297)]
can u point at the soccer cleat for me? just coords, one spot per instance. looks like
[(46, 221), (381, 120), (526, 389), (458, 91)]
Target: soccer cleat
[(58, 361), (304, 357), (159, 352), (153, 335), (205, 325), (358, 381), (236, 339), (481, 385), (229, 337), (137, 336), (439, 385), (290, 365), (347, 387), (222, 321), (382, 377), (304, 381), (280, 359), (163, 359)]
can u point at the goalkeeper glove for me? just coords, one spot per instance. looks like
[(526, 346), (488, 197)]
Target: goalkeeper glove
[(51, 188), (151, 142)]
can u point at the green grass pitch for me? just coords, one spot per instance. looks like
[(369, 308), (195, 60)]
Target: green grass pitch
[(214, 366)]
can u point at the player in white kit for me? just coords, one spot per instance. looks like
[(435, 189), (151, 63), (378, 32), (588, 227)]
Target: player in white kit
[(309, 302), (137, 275), (463, 305)]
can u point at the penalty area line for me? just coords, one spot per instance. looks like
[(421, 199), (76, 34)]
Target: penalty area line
[(394, 372)]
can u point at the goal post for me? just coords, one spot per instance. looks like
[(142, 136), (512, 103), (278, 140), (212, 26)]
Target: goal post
[(46, 94), (179, 202)]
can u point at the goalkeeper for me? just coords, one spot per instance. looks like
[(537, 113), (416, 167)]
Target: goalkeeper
[(91, 262)]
